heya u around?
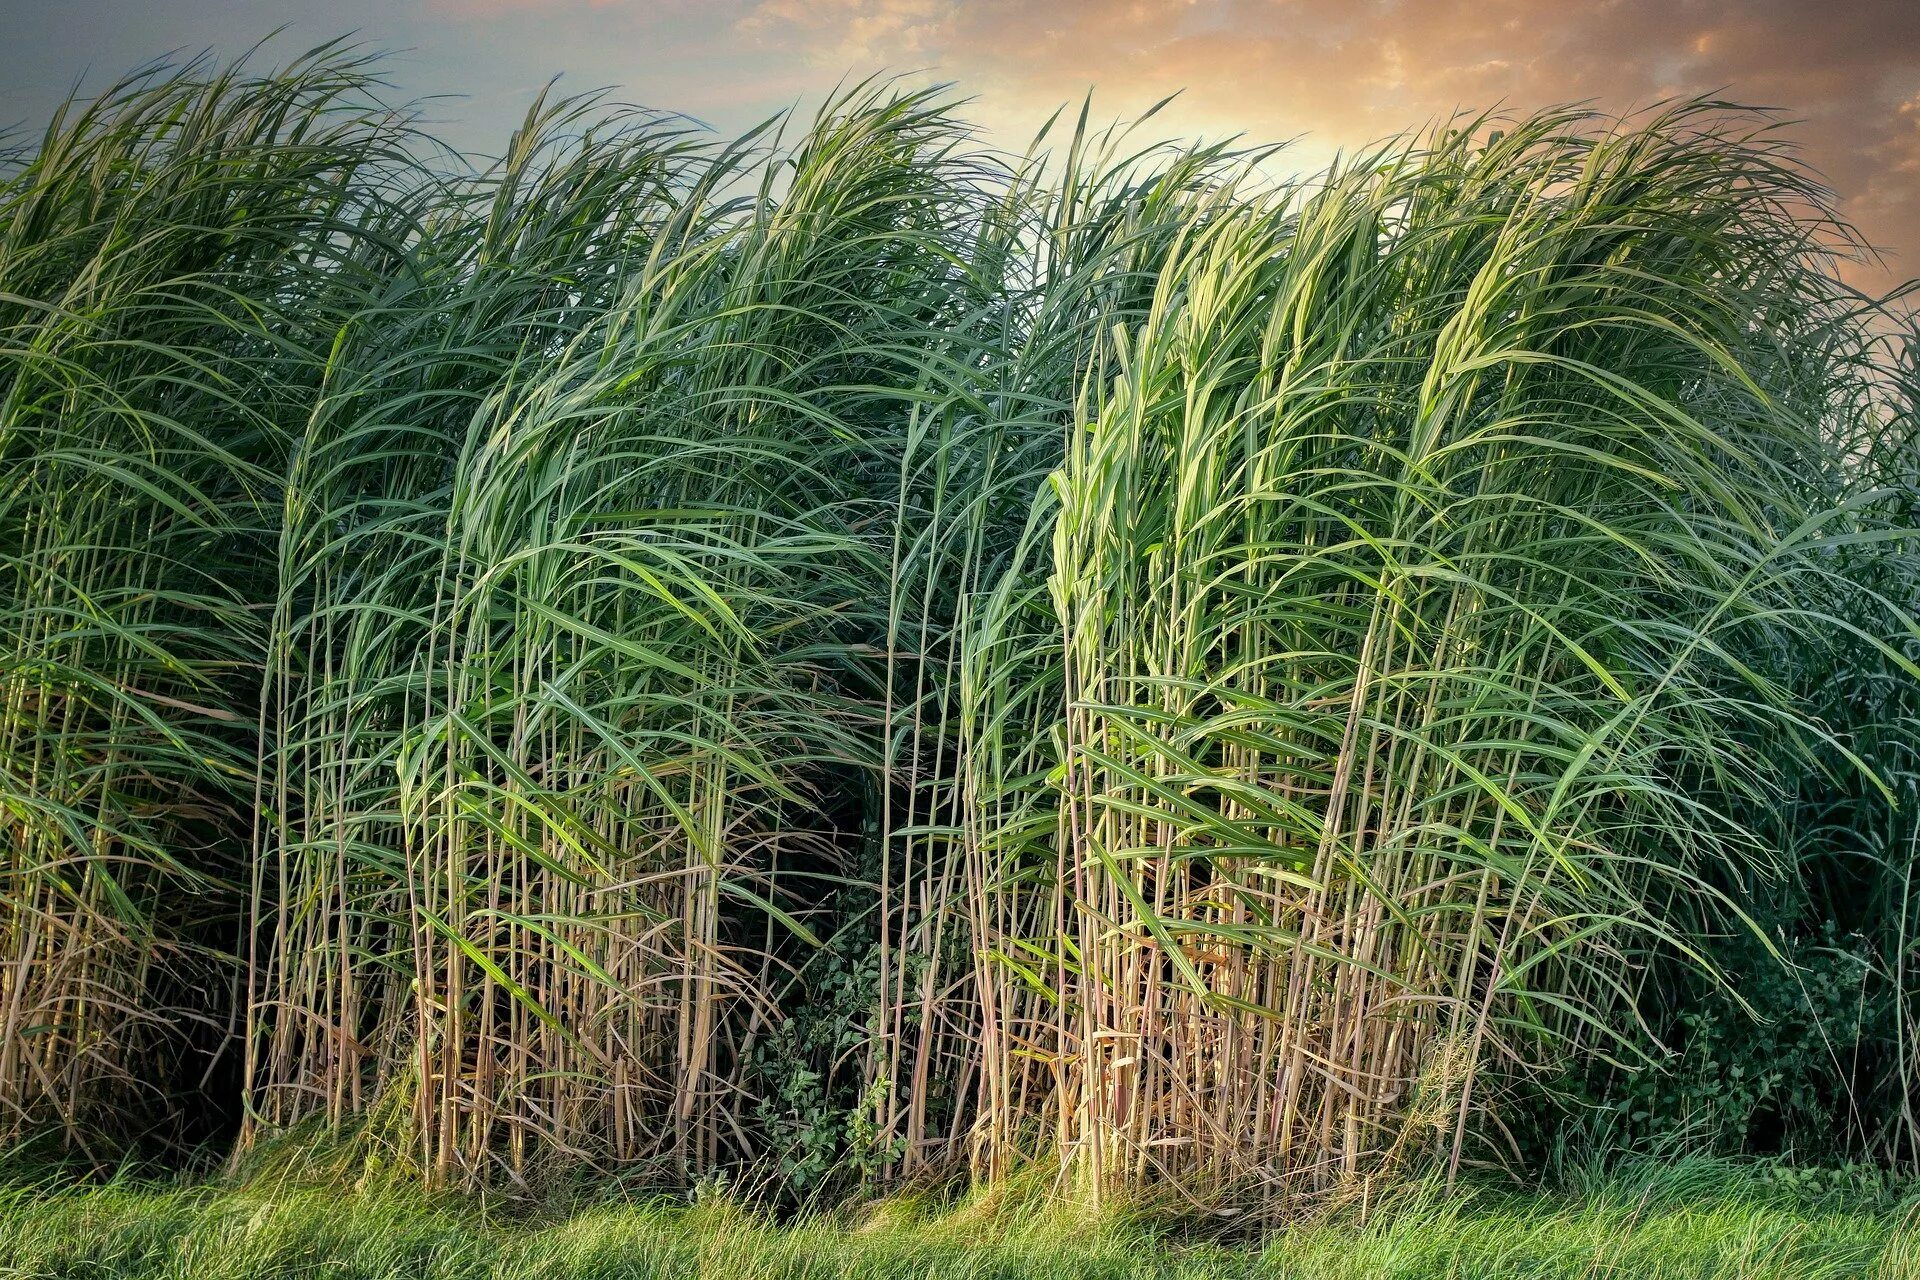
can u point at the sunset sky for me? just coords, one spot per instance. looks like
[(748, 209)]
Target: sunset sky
[(1333, 74)]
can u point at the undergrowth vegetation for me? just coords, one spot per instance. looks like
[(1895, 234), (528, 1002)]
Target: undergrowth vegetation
[(1696, 1220), (843, 655)]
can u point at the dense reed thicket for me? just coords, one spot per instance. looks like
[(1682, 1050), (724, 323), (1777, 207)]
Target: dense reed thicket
[(847, 654)]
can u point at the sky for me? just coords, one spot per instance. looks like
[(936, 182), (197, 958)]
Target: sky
[(1330, 73)]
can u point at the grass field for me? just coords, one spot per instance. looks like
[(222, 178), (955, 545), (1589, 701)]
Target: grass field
[(1682, 1219)]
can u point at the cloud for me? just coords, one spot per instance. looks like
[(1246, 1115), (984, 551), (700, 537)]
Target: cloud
[(1346, 73)]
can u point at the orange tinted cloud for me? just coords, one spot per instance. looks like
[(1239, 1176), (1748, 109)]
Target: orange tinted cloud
[(1347, 73)]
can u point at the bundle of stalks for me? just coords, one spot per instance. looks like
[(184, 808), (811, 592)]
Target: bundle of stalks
[(166, 267), (567, 699), (1407, 554)]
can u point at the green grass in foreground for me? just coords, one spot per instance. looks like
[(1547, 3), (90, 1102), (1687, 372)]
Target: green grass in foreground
[(1679, 1220)]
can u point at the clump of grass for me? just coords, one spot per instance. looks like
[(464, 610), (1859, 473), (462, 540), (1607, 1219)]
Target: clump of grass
[(1406, 550), (169, 279)]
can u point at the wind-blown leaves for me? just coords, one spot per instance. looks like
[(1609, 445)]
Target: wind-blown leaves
[(1220, 678)]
